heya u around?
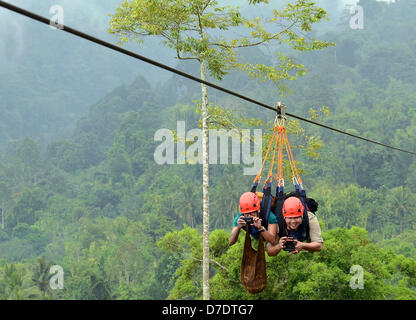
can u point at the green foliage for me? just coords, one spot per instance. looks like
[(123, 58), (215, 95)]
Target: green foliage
[(41, 277), (27, 206), (186, 26), (187, 246), (25, 160), (97, 204), (319, 276), (103, 195), (404, 243), (16, 283), (115, 261)]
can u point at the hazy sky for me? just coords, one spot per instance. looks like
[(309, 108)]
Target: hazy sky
[(31, 46), (91, 16)]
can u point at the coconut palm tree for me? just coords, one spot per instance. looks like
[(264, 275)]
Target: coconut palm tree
[(402, 202), (16, 284), (41, 277)]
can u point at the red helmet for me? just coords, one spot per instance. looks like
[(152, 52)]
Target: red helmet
[(249, 202), (292, 207)]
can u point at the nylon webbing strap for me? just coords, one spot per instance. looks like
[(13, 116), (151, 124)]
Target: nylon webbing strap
[(281, 143), (258, 177)]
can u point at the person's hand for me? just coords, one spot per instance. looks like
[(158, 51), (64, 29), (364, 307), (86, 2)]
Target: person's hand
[(298, 247), (257, 223), (240, 222), (281, 242)]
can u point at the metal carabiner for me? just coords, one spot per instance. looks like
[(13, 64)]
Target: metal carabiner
[(281, 109), (280, 120), (295, 181)]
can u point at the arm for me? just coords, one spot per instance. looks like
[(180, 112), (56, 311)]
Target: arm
[(315, 235), (311, 247), (268, 234), (274, 249), (234, 235), (236, 231)]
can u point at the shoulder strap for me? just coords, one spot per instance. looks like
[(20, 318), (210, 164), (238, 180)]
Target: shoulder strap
[(265, 205), (280, 198), (305, 228), (254, 187)]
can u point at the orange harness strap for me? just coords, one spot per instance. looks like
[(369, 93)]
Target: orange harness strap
[(281, 141), (279, 176), (292, 161), (270, 176), (257, 178)]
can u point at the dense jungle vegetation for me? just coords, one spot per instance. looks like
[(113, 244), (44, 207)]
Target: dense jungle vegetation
[(123, 227)]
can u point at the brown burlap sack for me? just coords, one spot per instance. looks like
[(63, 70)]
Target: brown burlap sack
[(253, 266)]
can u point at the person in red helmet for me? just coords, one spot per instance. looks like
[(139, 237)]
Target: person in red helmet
[(294, 237), (250, 217)]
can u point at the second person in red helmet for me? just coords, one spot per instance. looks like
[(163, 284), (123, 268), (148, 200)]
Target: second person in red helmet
[(295, 234)]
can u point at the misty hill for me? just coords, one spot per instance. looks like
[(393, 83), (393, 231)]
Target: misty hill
[(96, 202), (50, 79)]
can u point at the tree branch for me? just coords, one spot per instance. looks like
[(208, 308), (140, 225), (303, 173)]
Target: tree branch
[(275, 36), (214, 261)]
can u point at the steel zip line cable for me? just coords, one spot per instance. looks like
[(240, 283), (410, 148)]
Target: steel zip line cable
[(88, 37)]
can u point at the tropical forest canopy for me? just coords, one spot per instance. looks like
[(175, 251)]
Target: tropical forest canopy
[(92, 199)]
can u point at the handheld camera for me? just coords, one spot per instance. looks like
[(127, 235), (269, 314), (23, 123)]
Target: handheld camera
[(248, 220), (289, 244)]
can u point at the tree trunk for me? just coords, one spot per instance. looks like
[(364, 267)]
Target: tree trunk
[(205, 184)]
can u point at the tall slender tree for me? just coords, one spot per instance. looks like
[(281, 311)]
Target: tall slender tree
[(197, 30)]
